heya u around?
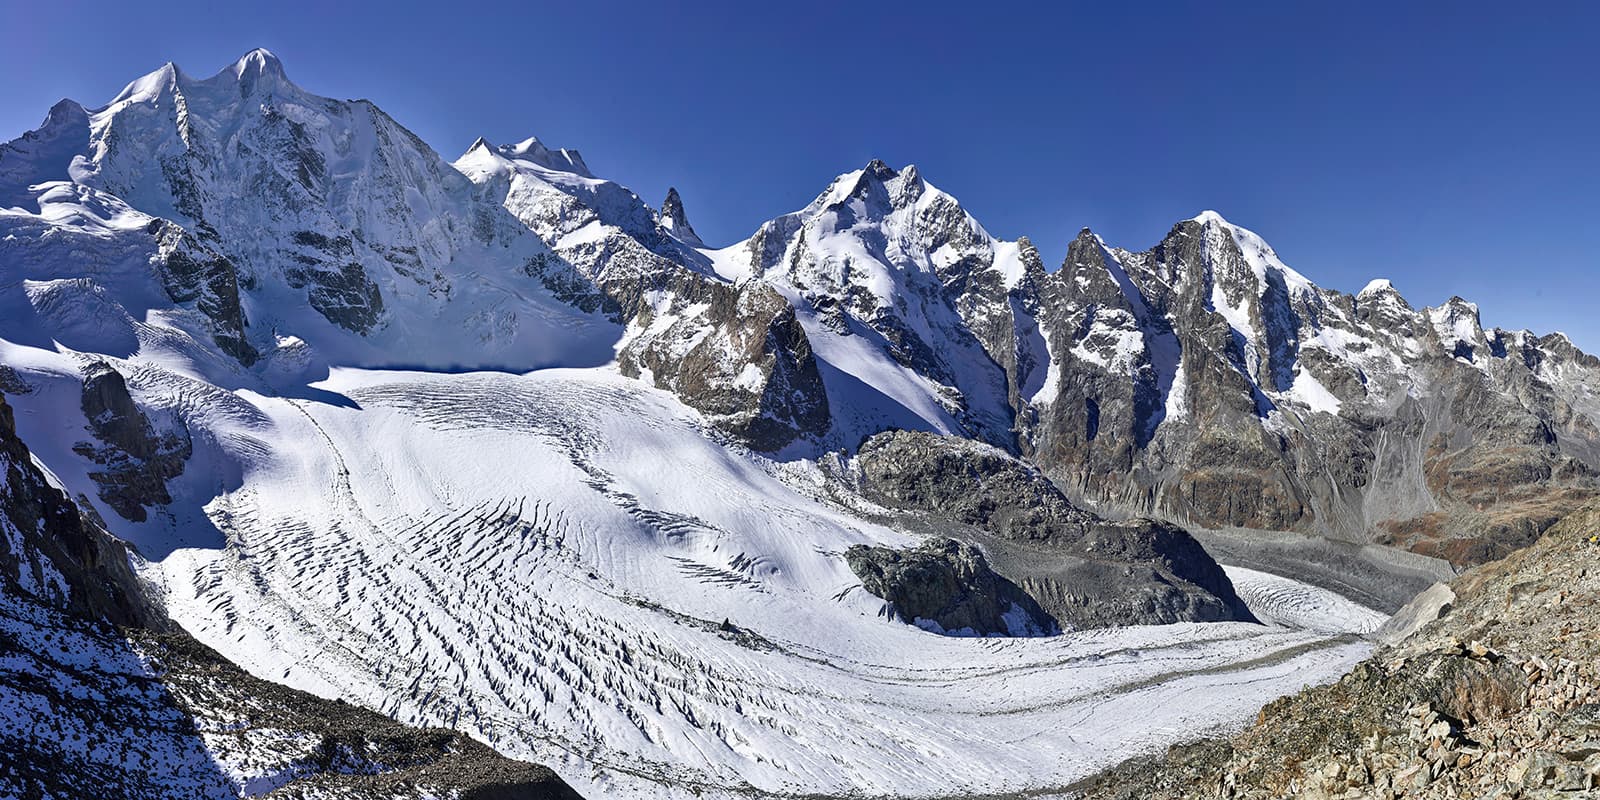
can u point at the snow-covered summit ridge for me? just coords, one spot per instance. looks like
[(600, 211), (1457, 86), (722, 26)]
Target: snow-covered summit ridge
[(533, 151), (256, 72), (286, 215)]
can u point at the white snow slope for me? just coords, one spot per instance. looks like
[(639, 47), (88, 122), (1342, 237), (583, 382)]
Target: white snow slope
[(565, 563)]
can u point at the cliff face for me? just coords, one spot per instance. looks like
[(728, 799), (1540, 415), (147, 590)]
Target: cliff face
[(1499, 697), (52, 555)]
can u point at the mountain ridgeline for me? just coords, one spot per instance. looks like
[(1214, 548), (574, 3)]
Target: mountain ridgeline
[(1201, 381)]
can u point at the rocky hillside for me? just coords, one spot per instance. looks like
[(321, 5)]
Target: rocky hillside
[(1498, 698), (103, 696), (1054, 565), (1202, 381), (1260, 400)]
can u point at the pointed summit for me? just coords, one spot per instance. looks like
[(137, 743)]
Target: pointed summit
[(44, 154), (259, 61), (877, 169), (675, 220), (65, 112), (256, 71), (163, 80)]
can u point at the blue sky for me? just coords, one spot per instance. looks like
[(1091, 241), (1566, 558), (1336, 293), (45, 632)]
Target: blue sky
[(1451, 147)]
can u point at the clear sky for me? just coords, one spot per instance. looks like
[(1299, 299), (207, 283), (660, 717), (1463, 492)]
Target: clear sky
[(1452, 147)]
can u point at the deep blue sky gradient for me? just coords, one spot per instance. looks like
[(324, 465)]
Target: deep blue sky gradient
[(1451, 147)]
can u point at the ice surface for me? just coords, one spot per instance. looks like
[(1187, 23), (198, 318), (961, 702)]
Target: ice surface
[(545, 560)]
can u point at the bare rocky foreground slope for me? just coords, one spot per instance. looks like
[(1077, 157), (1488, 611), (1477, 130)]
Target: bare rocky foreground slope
[(1499, 698)]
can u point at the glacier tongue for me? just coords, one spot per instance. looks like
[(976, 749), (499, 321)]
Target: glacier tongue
[(515, 562)]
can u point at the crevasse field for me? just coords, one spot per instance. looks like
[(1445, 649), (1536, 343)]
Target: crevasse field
[(547, 561), (566, 563)]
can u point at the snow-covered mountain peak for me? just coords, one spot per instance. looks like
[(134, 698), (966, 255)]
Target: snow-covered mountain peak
[(161, 81), (552, 190), (1257, 255), (1380, 293), (42, 155), (259, 61), (1376, 286), (65, 112), (256, 72), (297, 215), (258, 69), (1458, 327), (879, 187), (878, 170)]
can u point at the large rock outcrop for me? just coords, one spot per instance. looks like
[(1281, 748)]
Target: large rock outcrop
[(135, 459), (948, 587), (1082, 571)]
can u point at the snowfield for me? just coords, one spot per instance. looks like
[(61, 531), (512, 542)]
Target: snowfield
[(569, 566)]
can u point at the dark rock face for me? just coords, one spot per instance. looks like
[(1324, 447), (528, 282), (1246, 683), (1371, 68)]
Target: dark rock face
[(949, 584), (736, 353), (12, 383), (55, 555), (968, 483), (1081, 570), (193, 273), (675, 219), (336, 284), (136, 460)]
